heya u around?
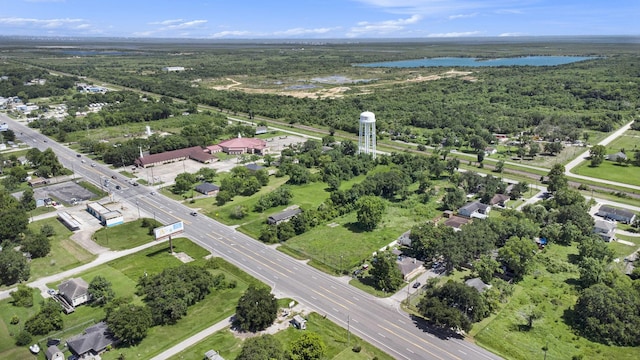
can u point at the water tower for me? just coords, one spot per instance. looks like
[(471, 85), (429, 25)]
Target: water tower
[(367, 135)]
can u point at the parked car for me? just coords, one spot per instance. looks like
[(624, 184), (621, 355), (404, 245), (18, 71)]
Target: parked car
[(193, 213), (135, 184), (93, 164), (114, 177), (416, 284), (117, 187), (52, 291)]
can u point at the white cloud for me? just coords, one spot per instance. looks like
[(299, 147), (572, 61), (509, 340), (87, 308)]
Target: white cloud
[(462, 16), (382, 27), (303, 31), (167, 22), (512, 34), (231, 33), (444, 7), (187, 24), (455, 34), (40, 23)]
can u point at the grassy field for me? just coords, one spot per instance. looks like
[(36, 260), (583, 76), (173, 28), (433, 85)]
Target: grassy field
[(554, 294), (333, 336), (125, 236), (610, 170), (65, 253), (8, 350)]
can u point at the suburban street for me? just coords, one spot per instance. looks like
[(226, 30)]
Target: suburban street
[(378, 321)]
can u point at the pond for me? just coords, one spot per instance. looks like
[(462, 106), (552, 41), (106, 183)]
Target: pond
[(476, 62)]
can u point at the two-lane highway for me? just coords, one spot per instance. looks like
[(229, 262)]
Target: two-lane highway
[(378, 321)]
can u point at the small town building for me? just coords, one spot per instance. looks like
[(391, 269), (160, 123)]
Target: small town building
[(606, 229), (194, 153), (261, 130), (283, 216), (499, 200), (37, 181), (621, 215), (239, 146), (456, 222), (208, 188), (107, 217), (74, 291), (69, 221), (619, 156), (477, 284), (475, 209), (212, 149), (173, 68), (253, 167), (92, 342)]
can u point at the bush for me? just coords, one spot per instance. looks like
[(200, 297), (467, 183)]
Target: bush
[(14, 320), (23, 338), (357, 348)]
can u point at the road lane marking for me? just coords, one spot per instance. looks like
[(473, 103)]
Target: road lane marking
[(406, 338), (382, 335)]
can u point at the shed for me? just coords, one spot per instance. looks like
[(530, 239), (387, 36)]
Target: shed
[(53, 353), (283, 216), (212, 355), (477, 284), (208, 188), (299, 322)]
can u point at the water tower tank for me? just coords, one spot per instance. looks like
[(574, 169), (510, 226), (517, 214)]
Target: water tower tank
[(367, 134)]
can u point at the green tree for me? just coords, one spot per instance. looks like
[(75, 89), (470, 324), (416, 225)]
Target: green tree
[(485, 267), (257, 309), (557, 180), (27, 201), (453, 199), (206, 174), (23, 338), (517, 253), (534, 149), (370, 211), (385, 272), (130, 323), (609, 315), (597, 153), (13, 267), (47, 320), (308, 346), (23, 297), (499, 166), (592, 271), (261, 347), (38, 245), (101, 291)]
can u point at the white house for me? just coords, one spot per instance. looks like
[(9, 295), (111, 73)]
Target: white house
[(75, 291)]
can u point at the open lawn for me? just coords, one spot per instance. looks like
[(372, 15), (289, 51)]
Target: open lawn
[(610, 170), (124, 274), (65, 253), (124, 236), (334, 337), (554, 294)]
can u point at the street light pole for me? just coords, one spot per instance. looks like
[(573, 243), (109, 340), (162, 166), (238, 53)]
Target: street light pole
[(138, 206)]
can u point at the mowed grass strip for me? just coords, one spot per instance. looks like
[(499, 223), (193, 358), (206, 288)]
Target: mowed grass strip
[(609, 170), (339, 346), (124, 236)]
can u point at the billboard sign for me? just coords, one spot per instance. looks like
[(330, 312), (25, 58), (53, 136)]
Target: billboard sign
[(168, 230)]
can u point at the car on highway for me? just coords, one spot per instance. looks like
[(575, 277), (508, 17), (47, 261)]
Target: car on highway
[(78, 155), (193, 213), (117, 187), (135, 184), (45, 140), (153, 193), (114, 177), (93, 164)]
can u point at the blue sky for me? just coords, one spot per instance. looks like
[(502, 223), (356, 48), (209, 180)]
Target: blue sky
[(314, 19)]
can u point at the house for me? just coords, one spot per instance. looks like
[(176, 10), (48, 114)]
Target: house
[(617, 156), (606, 229), (404, 239), (456, 222), (53, 353), (475, 209), (409, 267), (283, 216), (37, 181), (93, 341), (208, 188), (499, 200), (239, 146), (299, 322), (621, 215), (75, 291), (212, 355), (477, 284)]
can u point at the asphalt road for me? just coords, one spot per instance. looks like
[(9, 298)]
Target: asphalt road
[(378, 321)]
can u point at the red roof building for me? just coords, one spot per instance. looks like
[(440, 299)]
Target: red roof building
[(195, 153), (239, 146)]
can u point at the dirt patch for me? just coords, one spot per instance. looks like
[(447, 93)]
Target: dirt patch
[(183, 257)]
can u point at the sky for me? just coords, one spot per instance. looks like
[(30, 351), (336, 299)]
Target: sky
[(318, 19)]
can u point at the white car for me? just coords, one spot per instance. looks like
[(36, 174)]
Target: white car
[(93, 164)]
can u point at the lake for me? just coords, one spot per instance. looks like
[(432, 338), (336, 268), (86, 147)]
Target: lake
[(476, 62)]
